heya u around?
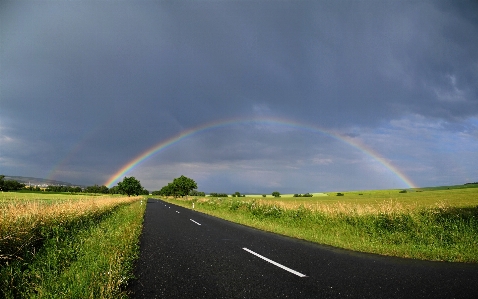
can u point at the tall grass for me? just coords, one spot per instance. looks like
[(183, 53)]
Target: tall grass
[(68, 248), (437, 232)]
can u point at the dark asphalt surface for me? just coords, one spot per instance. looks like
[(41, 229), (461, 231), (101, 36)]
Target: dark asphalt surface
[(181, 259)]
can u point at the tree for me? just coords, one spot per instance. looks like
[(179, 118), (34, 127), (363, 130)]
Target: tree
[(7, 185), (276, 194), (114, 190), (183, 185), (196, 193), (130, 186)]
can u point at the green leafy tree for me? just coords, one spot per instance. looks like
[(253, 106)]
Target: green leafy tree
[(7, 185), (130, 186), (276, 194), (114, 190), (183, 185), (196, 193)]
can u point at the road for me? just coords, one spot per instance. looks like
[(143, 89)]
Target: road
[(187, 254)]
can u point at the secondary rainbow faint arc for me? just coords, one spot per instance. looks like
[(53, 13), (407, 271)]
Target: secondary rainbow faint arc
[(265, 120)]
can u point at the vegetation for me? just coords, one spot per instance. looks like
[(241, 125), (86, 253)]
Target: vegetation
[(303, 195), (196, 193), (131, 186), (179, 187), (276, 194), (12, 185), (213, 194), (67, 247), (433, 224), (9, 185)]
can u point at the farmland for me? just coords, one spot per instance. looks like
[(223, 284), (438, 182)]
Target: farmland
[(439, 224), (67, 246), (78, 246)]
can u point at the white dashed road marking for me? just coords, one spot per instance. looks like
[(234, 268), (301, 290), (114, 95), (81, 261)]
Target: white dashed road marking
[(275, 263), (195, 222)]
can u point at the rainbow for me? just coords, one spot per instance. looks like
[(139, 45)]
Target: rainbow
[(263, 120)]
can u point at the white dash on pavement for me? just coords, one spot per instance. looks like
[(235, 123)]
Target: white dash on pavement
[(195, 222), (177, 212), (275, 263)]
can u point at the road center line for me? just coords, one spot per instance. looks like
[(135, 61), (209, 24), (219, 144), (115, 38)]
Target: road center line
[(195, 222), (275, 263)]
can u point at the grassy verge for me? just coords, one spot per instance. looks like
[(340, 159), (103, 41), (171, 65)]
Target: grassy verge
[(69, 248), (438, 231)]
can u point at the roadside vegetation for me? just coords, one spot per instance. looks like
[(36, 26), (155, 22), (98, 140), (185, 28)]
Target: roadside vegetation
[(129, 186), (68, 246), (439, 224)]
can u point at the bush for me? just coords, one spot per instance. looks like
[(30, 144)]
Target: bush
[(218, 194), (340, 194)]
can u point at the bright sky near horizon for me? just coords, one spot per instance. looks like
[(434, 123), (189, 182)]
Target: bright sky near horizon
[(248, 96)]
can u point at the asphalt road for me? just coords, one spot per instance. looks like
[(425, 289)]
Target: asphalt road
[(186, 254)]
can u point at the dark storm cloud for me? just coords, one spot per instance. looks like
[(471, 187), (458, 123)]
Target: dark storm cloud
[(95, 83)]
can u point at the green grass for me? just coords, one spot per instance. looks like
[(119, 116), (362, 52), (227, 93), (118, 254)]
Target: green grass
[(85, 256), (437, 224)]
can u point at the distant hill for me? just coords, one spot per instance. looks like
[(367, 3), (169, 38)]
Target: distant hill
[(37, 181)]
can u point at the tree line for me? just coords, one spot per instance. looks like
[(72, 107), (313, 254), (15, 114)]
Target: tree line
[(10, 185), (179, 187), (129, 186)]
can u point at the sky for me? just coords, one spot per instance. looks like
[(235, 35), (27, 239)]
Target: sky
[(246, 96)]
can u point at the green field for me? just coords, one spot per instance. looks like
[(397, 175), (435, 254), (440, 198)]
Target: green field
[(64, 246), (81, 246), (439, 224)]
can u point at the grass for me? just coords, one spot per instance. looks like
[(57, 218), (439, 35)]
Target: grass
[(68, 247), (437, 224)]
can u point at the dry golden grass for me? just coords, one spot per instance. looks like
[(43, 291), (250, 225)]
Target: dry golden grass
[(22, 215), (371, 202)]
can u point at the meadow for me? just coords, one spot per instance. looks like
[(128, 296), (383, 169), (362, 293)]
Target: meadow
[(438, 224), (67, 246)]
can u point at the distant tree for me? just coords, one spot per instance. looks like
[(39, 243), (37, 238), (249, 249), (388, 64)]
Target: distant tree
[(2, 182), (264, 195), (167, 190), (236, 194), (196, 193), (10, 185), (103, 189), (213, 194), (130, 186), (92, 189), (276, 194), (114, 190), (183, 185)]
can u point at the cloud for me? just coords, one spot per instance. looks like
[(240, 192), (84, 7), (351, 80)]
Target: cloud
[(87, 86)]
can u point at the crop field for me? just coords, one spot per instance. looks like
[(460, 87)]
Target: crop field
[(67, 246), (439, 224)]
